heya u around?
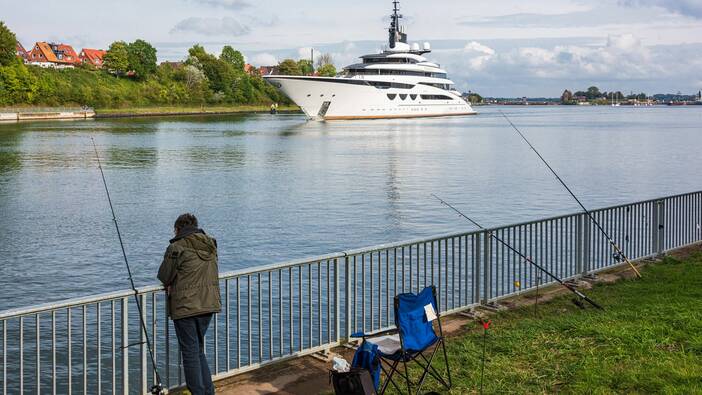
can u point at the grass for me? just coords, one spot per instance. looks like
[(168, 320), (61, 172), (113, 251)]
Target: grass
[(648, 340), (190, 109)]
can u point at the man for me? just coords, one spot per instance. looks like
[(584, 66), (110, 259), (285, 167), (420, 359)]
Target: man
[(190, 274)]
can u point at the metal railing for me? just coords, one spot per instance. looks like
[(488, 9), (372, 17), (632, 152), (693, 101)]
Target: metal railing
[(95, 345)]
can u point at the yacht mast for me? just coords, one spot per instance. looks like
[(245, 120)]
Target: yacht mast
[(396, 32)]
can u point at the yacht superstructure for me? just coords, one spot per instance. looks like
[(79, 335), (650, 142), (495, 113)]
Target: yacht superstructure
[(398, 82)]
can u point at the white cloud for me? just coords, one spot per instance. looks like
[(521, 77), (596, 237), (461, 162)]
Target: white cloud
[(264, 59), (225, 26), (478, 55), (228, 4)]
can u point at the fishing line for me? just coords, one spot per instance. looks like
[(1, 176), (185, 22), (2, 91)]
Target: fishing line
[(526, 258), (157, 388), (618, 253)]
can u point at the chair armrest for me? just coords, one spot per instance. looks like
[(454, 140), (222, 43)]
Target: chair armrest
[(364, 335)]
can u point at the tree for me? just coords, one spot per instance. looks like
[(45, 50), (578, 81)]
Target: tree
[(593, 92), (233, 57), (566, 97), (327, 70), (474, 98), (324, 59), (289, 67), (8, 43), (117, 58), (305, 66), (142, 58), (219, 73)]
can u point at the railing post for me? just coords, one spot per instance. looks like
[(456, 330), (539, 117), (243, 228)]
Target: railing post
[(655, 221), (579, 243), (347, 280), (487, 267), (586, 244), (476, 268), (142, 349), (125, 345), (336, 301), (659, 228)]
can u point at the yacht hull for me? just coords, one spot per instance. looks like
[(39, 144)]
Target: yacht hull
[(335, 98)]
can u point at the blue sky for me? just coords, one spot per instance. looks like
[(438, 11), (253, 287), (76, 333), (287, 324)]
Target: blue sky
[(505, 48)]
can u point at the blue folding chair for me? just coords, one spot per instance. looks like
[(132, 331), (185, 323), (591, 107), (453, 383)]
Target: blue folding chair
[(413, 337)]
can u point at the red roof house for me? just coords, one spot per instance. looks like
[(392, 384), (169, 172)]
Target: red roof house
[(21, 52), (92, 56), (53, 55)]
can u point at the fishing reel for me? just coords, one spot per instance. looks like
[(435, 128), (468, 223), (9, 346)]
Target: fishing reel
[(618, 257), (157, 389)]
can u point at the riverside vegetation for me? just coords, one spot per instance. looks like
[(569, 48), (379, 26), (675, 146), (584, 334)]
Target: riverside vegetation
[(132, 79), (648, 340)]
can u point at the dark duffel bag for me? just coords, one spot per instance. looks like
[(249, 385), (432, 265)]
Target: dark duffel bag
[(357, 381)]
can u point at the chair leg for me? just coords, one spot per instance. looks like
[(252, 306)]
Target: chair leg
[(407, 378), (427, 369), (388, 377), (448, 369)]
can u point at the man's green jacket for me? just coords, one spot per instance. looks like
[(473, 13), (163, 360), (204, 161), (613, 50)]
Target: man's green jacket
[(190, 273)]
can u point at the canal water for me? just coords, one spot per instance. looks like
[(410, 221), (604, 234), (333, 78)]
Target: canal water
[(275, 188)]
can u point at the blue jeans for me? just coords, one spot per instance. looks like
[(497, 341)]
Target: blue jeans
[(191, 337)]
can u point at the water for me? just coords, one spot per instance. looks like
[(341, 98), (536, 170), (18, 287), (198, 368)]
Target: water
[(275, 188)]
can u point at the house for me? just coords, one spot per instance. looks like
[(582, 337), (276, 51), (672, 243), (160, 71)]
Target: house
[(21, 52), (250, 69), (93, 57), (173, 65), (53, 55)]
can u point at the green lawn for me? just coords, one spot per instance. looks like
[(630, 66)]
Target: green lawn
[(648, 340)]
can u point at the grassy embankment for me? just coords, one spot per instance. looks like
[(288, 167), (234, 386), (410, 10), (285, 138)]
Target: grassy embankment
[(648, 340)]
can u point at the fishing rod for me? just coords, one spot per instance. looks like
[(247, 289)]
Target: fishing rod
[(618, 253), (569, 287), (156, 389)]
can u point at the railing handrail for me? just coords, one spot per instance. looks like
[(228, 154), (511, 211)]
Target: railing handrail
[(91, 299)]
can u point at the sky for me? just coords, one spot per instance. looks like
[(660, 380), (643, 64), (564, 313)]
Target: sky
[(507, 48)]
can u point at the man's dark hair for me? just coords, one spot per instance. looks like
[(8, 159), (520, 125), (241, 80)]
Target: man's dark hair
[(186, 220)]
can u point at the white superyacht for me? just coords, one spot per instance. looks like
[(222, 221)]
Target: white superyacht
[(396, 83)]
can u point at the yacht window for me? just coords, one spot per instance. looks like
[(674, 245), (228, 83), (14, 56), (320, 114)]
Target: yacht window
[(414, 97), (387, 85), (440, 86), (435, 97), (403, 96), (392, 96)]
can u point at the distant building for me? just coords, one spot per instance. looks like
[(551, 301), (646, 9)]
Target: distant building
[(266, 70), (21, 52), (93, 57), (699, 96), (249, 69), (53, 55)]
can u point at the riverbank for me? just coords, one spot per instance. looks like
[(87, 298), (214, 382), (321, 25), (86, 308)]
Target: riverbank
[(162, 111), (40, 113), (646, 341)]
